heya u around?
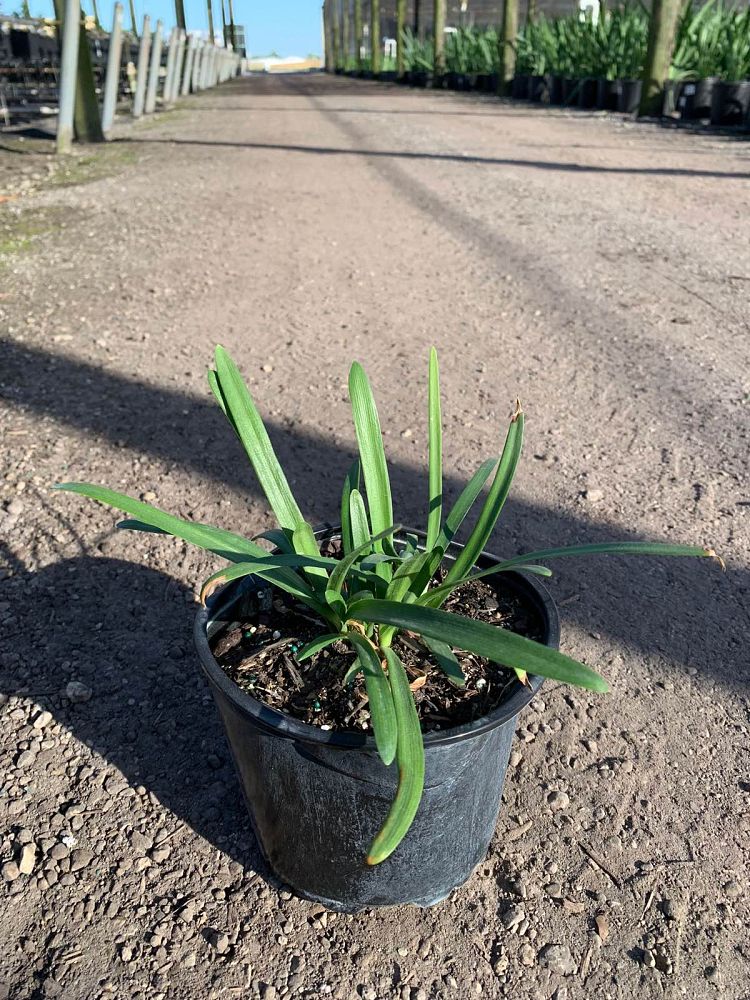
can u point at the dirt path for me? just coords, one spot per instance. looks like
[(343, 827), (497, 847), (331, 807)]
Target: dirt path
[(597, 269)]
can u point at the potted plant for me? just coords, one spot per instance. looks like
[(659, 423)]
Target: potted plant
[(416, 652)]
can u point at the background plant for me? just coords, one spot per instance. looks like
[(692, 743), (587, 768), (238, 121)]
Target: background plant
[(384, 583)]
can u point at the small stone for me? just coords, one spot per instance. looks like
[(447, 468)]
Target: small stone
[(515, 758), (513, 917), (28, 857), (403, 952), (42, 720), (80, 858), (190, 960), (561, 993), (77, 692), (220, 943), (558, 958), (10, 871), (558, 800), (159, 854), (269, 992), (554, 890), (732, 889), (267, 369), (593, 496), (648, 959), (712, 974), (527, 955), (126, 953), (669, 909), (25, 758)]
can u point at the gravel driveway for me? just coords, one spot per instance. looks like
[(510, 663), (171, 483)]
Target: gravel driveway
[(598, 269)]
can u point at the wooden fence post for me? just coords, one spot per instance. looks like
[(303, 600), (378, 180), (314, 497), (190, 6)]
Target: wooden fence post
[(153, 73), (376, 40), (508, 37), (438, 40), (661, 33), (141, 73), (68, 73), (112, 80), (400, 28)]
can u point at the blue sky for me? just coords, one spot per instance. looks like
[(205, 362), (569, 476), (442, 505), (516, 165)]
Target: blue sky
[(289, 27)]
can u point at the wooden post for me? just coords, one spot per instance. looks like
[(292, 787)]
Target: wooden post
[(345, 36), (330, 64), (179, 13), (141, 73), (661, 33), (359, 40), (438, 41), (210, 21), (376, 39), (187, 76), (400, 28), (112, 80), (508, 37), (68, 72), (336, 26), (153, 73)]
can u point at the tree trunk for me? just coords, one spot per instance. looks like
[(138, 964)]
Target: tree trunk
[(438, 41), (661, 32), (232, 32), (400, 28), (531, 12), (417, 19), (336, 26), (328, 37), (508, 37), (376, 41), (358, 33)]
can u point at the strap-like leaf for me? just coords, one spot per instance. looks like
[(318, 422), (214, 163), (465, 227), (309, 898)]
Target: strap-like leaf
[(360, 527), (223, 543), (382, 714), (616, 548), (372, 456), (304, 542), (315, 645), (244, 416), (436, 597), (497, 644), (446, 660), (277, 537), (410, 759), (340, 571), (495, 501), (350, 483), (435, 509)]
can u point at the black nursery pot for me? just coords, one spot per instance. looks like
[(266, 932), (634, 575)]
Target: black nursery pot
[(696, 98), (588, 93), (629, 97), (317, 798), (730, 102), (519, 88), (555, 90), (607, 94)]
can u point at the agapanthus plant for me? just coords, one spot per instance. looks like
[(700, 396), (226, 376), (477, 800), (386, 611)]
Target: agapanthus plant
[(385, 581)]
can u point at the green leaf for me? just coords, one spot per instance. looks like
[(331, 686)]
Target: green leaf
[(277, 537), (265, 568), (350, 483), (372, 455), (340, 571), (453, 522), (615, 548), (401, 587), (382, 714), (495, 501), (245, 418), (305, 543), (219, 396), (130, 525), (223, 543), (497, 644), (435, 510), (411, 766), (360, 527), (446, 660), (352, 672), (315, 645), (435, 597)]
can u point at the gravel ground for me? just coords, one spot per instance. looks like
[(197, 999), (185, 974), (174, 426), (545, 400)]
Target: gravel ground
[(596, 268)]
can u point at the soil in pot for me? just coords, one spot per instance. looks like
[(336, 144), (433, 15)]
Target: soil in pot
[(259, 656)]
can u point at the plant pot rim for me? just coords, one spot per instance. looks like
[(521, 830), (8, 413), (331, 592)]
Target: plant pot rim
[(285, 726)]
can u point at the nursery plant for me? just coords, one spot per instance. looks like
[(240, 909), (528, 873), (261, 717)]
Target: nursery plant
[(386, 582)]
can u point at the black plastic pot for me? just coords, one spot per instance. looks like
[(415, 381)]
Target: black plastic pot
[(519, 88), (588, 93), (387, 76), (570, 90), (730, 102), (629, 97), (607, 94), (555, 90), (539, 89), (316, 799), (671, 98), (697, 97)]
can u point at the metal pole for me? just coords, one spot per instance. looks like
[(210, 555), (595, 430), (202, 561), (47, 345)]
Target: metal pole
[(112, 81), (141, 73), (166, 94), (188, 73), (153, 73), (68, 75)]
